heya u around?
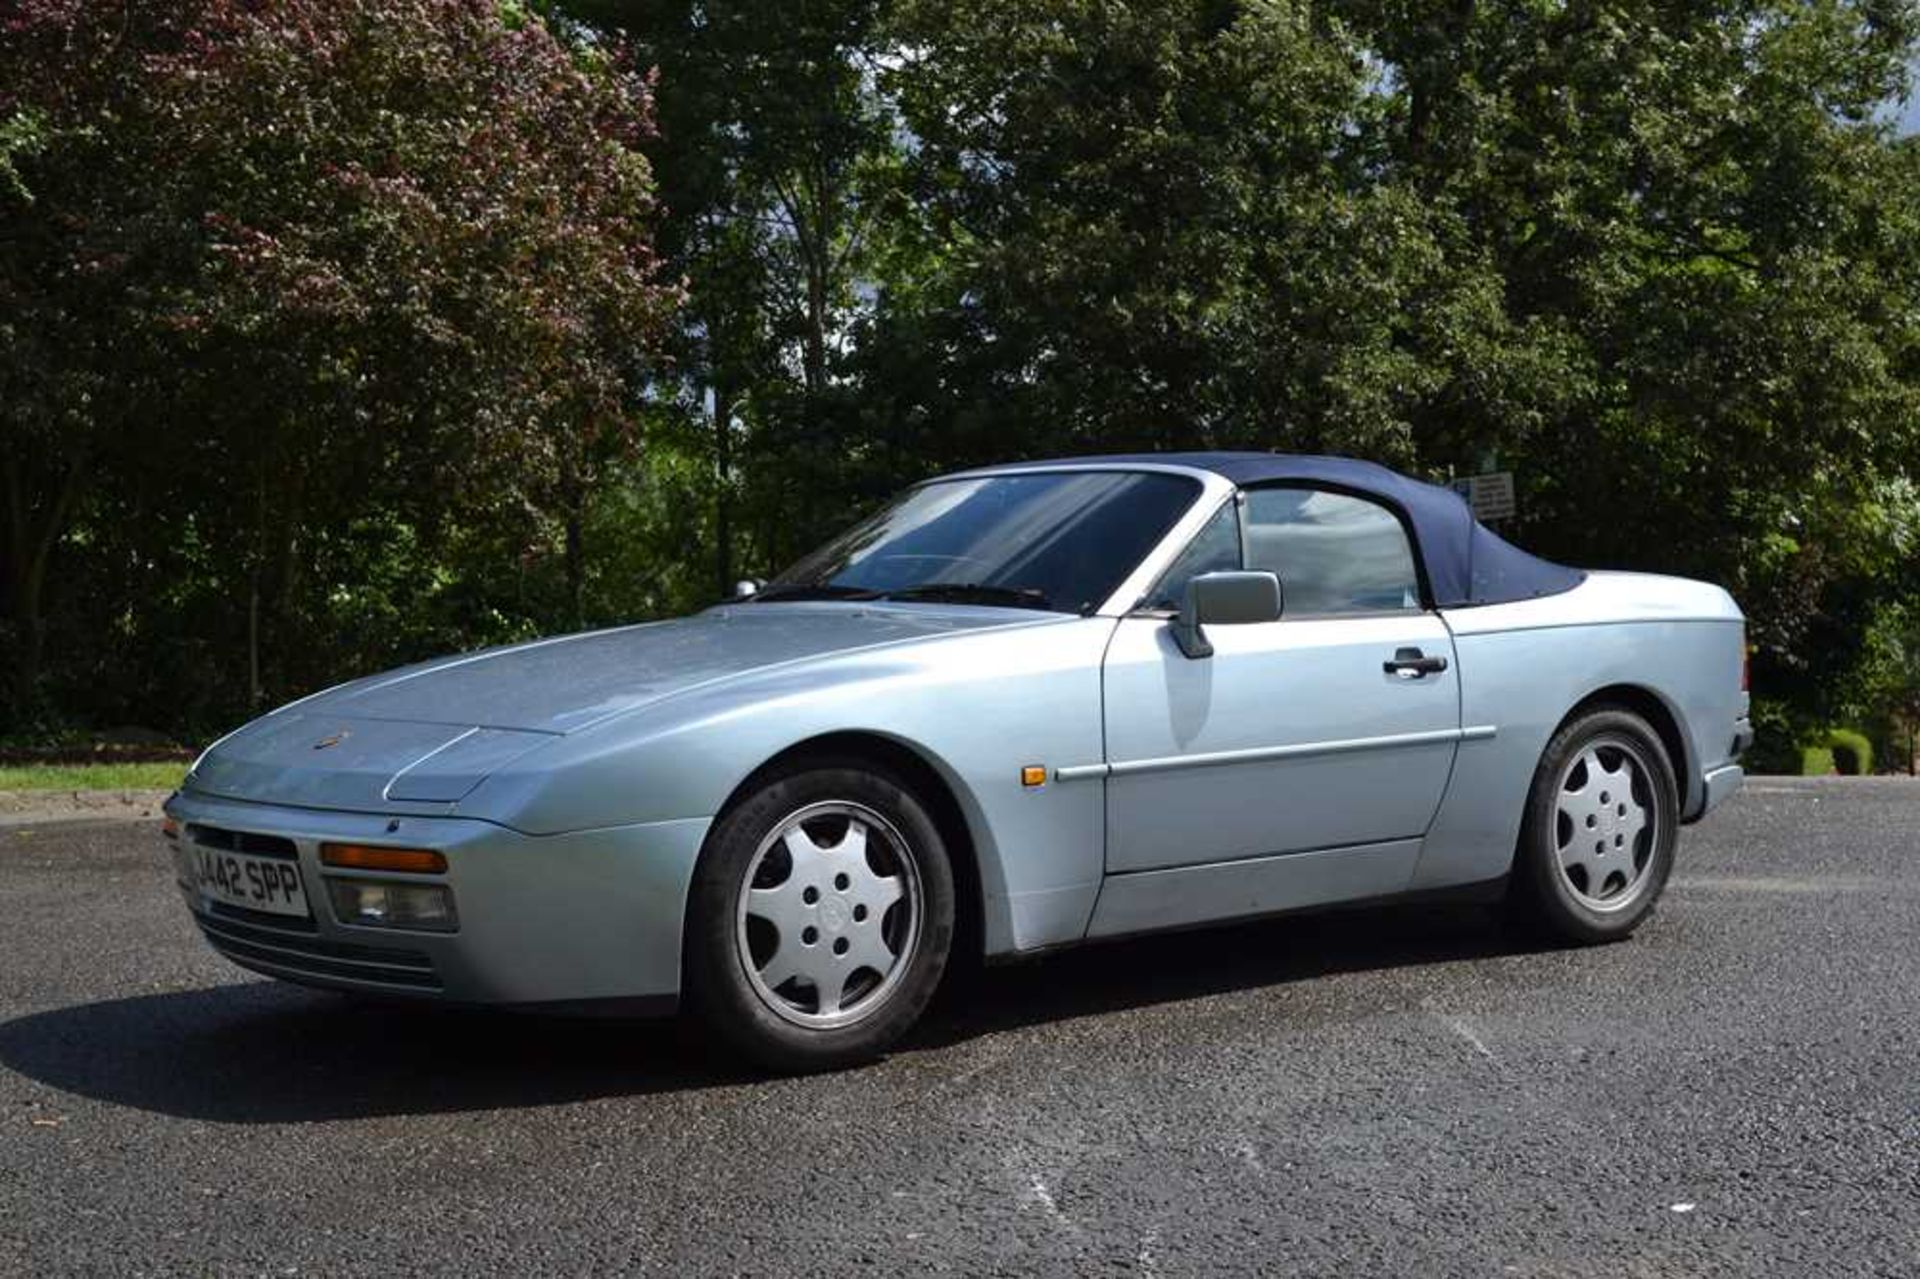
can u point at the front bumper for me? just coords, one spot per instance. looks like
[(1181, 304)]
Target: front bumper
[(589, 918)]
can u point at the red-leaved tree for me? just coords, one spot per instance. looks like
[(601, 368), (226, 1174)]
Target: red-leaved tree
[(291, 265)]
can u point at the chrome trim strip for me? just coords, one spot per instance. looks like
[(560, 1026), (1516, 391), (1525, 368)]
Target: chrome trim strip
[(385, 791), (1256, 754), (1215, 492), (1074, 772)]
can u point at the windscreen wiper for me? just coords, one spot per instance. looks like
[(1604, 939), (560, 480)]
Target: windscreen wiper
[(815, 591), (974, 593)]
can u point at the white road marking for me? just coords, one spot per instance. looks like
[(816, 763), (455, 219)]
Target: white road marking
[(1781, 884), (991, 1054), (1459, 1026), (1037, 1189), (1682, 1207)]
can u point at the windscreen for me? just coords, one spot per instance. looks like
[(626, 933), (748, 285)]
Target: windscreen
[(1054, 540)]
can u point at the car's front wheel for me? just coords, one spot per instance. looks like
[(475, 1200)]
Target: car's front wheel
[(1597, 841), (820, 917)]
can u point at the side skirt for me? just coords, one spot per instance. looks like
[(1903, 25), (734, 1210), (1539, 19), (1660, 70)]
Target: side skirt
[(1480, 894), (1182, 896)]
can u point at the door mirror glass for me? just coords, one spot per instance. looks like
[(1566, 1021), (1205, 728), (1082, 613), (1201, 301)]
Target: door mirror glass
[(1224, 599)]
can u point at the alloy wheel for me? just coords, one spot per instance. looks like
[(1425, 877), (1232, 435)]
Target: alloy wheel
[(830, 914), (1606, 823)]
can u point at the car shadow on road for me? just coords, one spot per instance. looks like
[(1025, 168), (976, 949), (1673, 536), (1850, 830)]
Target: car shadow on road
[(1141, 972), (268, 1053)]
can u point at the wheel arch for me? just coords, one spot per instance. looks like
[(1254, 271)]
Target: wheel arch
[(933, 783), (1660, 715)]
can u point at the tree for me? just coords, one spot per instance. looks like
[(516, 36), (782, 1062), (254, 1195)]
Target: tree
[(1661, 260), (775, 152), (377, 269), (1700, 211), (337, 329), (1165, 219)]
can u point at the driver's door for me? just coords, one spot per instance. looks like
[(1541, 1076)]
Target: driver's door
[(1294, 735)]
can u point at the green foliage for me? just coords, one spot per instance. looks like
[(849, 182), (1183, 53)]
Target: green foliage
[(22, 135), (1883, 689), (343, 339), (1816, 761), (1833, 750), (322, 325), (1776, 739), (1850, 750)]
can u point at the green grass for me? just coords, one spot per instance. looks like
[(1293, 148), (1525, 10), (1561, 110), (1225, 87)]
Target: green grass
[(92, 776)]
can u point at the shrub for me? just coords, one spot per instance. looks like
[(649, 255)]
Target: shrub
[(1776, 742), (1836, 750), (1852, 752)]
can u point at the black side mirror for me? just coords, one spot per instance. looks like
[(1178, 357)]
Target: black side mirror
[(1225, 599)]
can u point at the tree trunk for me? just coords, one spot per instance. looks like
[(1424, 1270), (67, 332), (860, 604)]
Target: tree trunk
[(723, 487), (573, 497), (255, 694), (256, 569), (576, 574), (816, 355), (30, 623), (291, 515), (29, 550)]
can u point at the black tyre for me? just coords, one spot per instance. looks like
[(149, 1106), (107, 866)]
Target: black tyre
[(1597, 842), (820, 917)]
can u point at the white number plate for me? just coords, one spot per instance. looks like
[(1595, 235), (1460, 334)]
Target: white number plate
[(270, 884)]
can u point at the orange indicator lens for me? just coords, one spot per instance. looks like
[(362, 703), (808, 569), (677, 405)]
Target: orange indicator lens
[(1033, 775), (420, 861)]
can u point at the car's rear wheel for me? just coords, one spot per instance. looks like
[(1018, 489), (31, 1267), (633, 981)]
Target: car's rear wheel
[(820, 917), (1597, 842)]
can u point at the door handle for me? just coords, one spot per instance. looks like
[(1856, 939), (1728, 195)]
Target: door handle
[(1411, 663)]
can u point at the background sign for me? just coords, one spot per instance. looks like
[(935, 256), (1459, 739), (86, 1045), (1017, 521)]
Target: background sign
[(1490, 495)]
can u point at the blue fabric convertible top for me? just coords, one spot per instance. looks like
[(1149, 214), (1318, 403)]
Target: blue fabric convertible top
[(1466, 563)]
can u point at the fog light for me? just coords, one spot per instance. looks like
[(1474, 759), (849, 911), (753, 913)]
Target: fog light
[(379, 903)]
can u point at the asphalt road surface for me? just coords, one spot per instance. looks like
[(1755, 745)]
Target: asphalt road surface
[(1735, 1091)]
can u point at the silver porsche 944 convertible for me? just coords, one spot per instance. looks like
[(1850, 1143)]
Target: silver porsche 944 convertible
[(1020, 707)]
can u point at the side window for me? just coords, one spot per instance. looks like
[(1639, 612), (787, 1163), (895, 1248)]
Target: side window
[(1214, 549), (1334, 553)]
